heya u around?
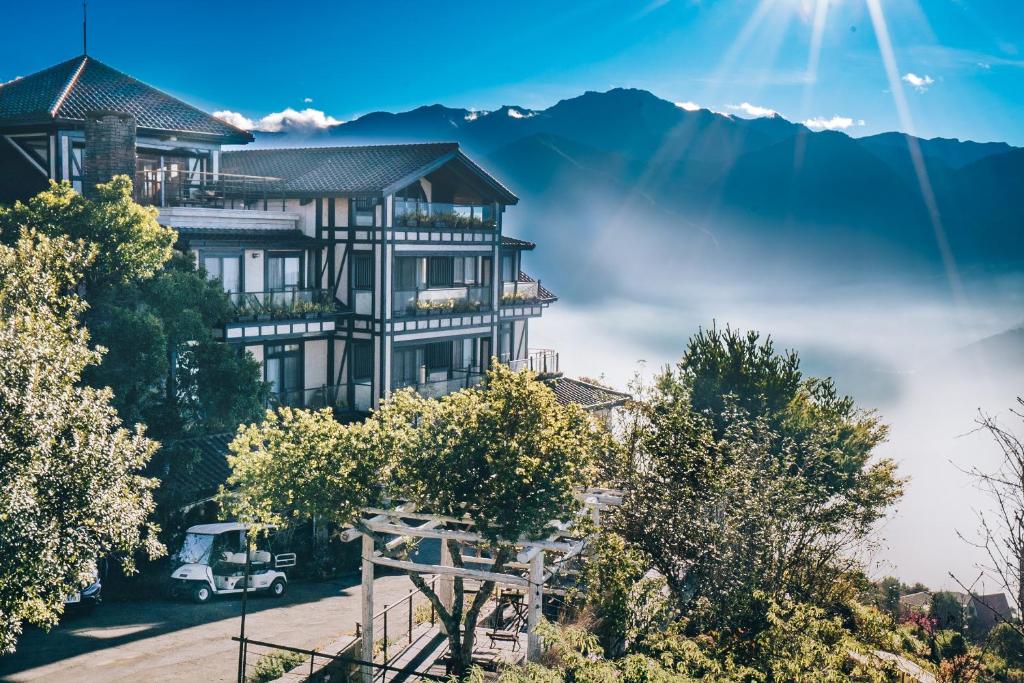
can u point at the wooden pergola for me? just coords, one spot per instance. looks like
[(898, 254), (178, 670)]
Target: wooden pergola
[(528, 571)]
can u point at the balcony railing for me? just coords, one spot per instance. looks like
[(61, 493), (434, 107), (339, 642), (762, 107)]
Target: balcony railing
[(523, 290), (540, 361), (441, 301), (413, 213), (458, 379), (177, 187), (328, 396), (289, 303)]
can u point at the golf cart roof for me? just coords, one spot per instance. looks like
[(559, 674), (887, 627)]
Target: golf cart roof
[(218, 528)]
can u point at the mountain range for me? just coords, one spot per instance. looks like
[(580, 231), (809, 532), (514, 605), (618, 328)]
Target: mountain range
[(642, 182)]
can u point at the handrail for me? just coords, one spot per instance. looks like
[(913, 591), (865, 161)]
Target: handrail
[(283, 302), (183, 187)]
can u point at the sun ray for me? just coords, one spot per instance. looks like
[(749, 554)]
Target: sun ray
[(917, 158)]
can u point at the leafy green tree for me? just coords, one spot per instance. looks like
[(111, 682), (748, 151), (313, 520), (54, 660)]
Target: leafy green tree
[(506, 456), (164, 365), (70, 489), (947, 610), (750, 477), (129, 243)]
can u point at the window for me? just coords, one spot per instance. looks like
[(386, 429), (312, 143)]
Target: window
[(465, 354), (362, 361), (439, 271), (227, 269), (75, 165), (438, 356), (405, 371), (508, 268), (362, 271), (284, 271), (362, 212), (505, 341), (283, 366), (405, 273), (465, 270)]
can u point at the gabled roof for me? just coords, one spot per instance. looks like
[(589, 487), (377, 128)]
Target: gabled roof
[(72, 89), (354, 170)]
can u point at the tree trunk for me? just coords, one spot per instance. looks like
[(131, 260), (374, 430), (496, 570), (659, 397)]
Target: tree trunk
[(460, 644)]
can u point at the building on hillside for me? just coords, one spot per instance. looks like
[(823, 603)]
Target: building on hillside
[(980, 612), (354, 271)]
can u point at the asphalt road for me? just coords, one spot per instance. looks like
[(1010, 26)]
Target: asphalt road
[(162, 640)]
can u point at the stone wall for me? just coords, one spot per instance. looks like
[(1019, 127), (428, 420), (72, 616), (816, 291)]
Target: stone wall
[(109, 148)]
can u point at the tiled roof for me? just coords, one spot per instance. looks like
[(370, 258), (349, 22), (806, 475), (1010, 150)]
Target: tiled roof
[(345, 170), (72, 89), (197, 465), (589, 396), (353, 170), (514, 243)]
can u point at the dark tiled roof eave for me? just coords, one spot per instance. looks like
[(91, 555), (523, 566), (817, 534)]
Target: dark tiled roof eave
[(589, 396), (516, 243)]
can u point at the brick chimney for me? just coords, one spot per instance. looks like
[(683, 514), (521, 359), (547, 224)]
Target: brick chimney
[(109, 148)]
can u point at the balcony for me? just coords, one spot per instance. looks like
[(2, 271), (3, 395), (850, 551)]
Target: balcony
[(457, 380), (284, 304), (335, 397), (173, 187), (412, 213), (441, 301), (524, 290), (543, 362)]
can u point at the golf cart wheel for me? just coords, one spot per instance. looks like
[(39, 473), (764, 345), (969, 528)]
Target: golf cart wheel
[(277, 588), (201, 594)]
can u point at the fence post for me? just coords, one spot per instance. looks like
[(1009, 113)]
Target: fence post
[(410, 617), (384, 640)]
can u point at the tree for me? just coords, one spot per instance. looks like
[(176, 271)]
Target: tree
[(70, 489), (164, 365), (130, 245), (1002, 527), (750, 478), (507, 456)]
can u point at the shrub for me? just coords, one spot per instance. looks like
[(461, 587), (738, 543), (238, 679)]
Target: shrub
[(273, 665)]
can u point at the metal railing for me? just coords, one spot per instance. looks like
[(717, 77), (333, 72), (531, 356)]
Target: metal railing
[(287, 303), (441, 300), (327, 396), (180, 187), (262, 661), (399, 625), (540, 361), (436, 388), (524, 289), (413, 213)]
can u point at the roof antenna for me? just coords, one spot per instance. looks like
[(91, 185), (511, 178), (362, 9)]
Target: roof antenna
[(85, 19)]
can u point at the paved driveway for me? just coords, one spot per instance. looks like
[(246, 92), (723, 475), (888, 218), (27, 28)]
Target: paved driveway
[(161, 640)]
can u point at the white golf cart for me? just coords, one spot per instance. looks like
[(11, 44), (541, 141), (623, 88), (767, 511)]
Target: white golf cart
[(212, 561)]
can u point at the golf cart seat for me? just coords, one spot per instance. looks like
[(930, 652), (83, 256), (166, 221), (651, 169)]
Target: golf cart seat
[(233, 558), (261, 557)]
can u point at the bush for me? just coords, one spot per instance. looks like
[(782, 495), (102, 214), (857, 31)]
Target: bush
[(273, 665), (1006, 642)]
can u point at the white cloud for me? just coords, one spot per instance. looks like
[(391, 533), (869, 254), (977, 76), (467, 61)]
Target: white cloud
[(307, 100), (688, 106), (753, 110), (519, 114), (920, 83), (307, 119), (834, 123)]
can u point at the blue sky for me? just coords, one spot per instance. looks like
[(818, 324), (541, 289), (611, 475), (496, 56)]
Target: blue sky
[(958, 63)]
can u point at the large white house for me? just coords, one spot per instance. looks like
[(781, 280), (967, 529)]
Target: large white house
[(353, 270)]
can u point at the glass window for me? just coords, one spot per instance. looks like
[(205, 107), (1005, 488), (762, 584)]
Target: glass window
[(438, 356), (227, 269), (284, 272), (362, 271), (405, 273), (362, 361), (508, 268), (440, 271), (195, 549), (362, 212), (406, 369), (283, 367)]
